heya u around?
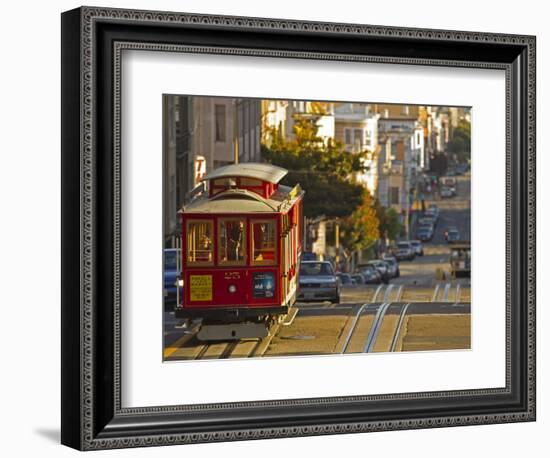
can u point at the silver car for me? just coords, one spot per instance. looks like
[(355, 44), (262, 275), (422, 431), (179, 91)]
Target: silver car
[(318, 282), (417, 245), (404, 250), (393, 266)]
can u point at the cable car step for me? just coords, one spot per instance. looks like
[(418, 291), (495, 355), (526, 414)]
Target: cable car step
[(289, 317), (235, 331)]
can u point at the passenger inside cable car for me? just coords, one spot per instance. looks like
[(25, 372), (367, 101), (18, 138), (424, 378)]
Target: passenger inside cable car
[(264, 242)]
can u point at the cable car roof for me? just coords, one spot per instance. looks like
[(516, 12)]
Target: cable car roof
[(265, 172), (243, 201)]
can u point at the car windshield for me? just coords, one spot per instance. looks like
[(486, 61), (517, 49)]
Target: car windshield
[(403, 245), (366, 267), (345, 279), (316, 268), (170, 260)]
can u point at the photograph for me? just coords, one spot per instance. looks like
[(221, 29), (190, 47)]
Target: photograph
[(267, 226), (314, 227)]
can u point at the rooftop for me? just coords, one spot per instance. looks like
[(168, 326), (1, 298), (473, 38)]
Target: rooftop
[(264, 172)]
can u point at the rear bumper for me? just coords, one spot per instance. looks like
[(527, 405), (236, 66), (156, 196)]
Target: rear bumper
[(318, 294), (401, 257), (230, 314)]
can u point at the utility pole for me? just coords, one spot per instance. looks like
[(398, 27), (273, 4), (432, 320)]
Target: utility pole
[(337, 237), (235, 131)]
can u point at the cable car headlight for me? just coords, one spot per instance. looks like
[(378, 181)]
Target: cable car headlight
[(232, 289), (179, 283)]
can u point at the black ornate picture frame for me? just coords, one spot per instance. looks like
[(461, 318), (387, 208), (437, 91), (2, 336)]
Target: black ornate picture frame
[(92, 42)]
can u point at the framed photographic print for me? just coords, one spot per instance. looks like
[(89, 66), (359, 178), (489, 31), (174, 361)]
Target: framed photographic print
[(279, 228)]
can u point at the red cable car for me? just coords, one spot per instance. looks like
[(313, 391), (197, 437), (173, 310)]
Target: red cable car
[(241, 247)]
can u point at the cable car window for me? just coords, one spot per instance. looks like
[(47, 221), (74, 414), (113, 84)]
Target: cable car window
[(232, 241), (263, 242), (199, 242), (251, 182), (225, 182)]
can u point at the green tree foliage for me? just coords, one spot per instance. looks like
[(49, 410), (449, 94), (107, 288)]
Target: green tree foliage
[(390, 224), (460, 143), (323, 170)]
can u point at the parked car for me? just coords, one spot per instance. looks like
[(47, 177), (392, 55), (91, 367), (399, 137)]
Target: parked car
[(426, 220), (318, 282), (418, 247), (453, 236), (447, 191), (449, 229), (309, 256), (433, 214), (172, 273), (345, 279), (383, 268), (370, 274), (425, 233), (434, 210), (404, 250), (358, 278), (393, 265)]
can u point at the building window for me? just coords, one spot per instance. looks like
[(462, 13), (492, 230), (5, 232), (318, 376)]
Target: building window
[(263, 242), (199, 242), (232, 241), (354, 138), (394, 195), (358, 138), (347, 136), (220, 122)]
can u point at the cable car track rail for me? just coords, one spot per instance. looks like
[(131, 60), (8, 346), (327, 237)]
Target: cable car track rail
[(446, 292), (398, 327), (375, 327)]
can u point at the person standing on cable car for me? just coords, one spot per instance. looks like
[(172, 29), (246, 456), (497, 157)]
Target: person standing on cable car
[(235, 239)]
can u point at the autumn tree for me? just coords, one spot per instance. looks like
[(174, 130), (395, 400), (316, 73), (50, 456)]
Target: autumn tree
[(361, 229), (326, 171)]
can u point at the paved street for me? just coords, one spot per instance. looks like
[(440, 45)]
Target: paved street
[(370, 319), (423, 309), (455, 212)]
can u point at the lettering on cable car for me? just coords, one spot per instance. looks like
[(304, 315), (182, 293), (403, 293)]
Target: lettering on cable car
[(200, 287), (232, 275)]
